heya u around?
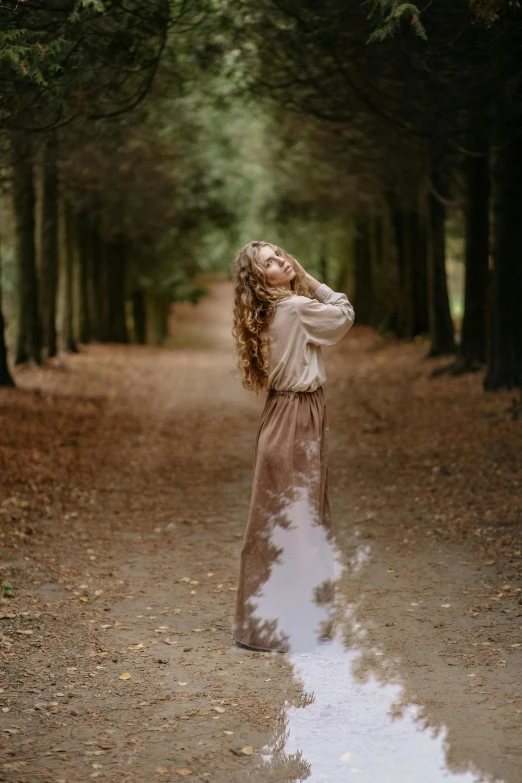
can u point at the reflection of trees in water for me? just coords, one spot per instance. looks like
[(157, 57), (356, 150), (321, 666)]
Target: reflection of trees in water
[(357, 601), (287, 561), (265, 632), (464, 750), (281, 766)]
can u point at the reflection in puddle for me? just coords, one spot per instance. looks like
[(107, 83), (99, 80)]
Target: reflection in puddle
[(285, 599), (348, 725), (344, 730)]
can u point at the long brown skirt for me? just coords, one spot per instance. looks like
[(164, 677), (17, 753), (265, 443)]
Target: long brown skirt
[(286, 580)]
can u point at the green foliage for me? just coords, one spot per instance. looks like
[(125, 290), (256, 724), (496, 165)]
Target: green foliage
[(490, 11), (6, 589), (391, 13), (23, 51), (181, 289), (88, 57)]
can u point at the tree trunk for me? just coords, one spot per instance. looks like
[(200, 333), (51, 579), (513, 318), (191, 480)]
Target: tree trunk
[(29, 344), (69, 253), (85, 249), (96, 283), (363, 297), (403, 319), (49, 266), (139, 314), (345, 264), (6, 378), (473, 338), (419, 258), (377, 254), (441, 324), (323, 264), (504, 367), (116, 268), (160, 311)]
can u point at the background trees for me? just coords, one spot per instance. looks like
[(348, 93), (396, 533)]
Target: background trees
[(431, 89), (380, 145)]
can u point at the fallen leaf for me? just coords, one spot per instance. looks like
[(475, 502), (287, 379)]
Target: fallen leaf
[(183, 771), (125, 676), (248, 750), (161, 770), (219, 709), (228, 732)]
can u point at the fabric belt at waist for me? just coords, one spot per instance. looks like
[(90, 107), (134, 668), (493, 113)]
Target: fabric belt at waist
[(290, 391)]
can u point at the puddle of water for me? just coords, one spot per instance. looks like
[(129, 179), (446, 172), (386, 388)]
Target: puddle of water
[(349, 725), (345, 730)]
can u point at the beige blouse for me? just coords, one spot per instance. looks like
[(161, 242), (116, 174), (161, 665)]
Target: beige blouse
[(296, 333)]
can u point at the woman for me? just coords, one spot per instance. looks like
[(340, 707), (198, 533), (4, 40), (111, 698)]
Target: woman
[(286, 582)]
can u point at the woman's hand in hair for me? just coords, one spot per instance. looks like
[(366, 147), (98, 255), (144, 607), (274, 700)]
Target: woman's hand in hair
[(311, 281)]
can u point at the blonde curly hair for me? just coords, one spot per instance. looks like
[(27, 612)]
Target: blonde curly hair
[(254, 306)]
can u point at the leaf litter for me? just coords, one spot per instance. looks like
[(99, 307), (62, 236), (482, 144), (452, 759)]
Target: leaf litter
[(152, 454)]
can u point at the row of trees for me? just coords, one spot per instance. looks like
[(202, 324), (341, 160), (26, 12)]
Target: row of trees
[(106, 195), (360, 139), (420, 109)]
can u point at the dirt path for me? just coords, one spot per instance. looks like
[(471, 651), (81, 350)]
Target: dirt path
[(125, 487)]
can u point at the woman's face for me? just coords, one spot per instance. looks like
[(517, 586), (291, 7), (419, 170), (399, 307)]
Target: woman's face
[(277, 270)]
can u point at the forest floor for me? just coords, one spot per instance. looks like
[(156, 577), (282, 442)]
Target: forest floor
[(124, 487)]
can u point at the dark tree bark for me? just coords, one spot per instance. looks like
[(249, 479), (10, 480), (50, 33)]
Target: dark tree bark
[(96, 289), (378, 240), (363, 299), (139, 314), (116, 269), (49, 265), (85, 251), (403, 318), (6, 379), (504, 367), (410, 314), (160, 311), (377, 252), (69, 253), (440, 321), (323, 265), (343, 271), (473, 338), (345, 265), (419, 256), (29, 344)]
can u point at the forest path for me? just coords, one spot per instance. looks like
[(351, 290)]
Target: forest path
[(125, 488)]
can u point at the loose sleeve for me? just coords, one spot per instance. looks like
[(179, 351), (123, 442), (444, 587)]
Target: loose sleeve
[(327, 317)]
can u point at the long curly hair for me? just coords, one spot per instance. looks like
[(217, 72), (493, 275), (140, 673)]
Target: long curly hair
[(254, 306)]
